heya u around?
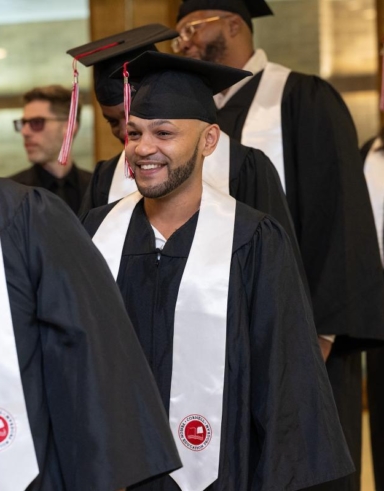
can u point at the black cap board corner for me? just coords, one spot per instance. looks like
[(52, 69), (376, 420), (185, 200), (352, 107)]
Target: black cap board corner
[(109, 53)]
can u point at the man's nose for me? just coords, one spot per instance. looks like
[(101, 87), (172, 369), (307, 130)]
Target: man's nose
[(145, 146), (26, 129)]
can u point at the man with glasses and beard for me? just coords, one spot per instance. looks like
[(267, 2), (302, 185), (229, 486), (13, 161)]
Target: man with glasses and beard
[(43, 127)]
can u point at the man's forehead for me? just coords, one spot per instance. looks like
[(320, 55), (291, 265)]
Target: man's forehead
[(199, 15), (38, 106)]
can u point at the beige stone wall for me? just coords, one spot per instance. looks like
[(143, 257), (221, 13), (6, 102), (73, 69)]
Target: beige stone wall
[(291, 36), (336, 39)]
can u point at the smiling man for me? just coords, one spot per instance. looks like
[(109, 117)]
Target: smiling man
[(43, 127), (214, 294)]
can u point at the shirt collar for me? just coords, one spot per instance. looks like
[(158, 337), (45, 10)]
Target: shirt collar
[(47, 179), (255, 64)]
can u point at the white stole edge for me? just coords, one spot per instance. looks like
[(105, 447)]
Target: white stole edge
[(121, 185), (262, 128), (374, 175), (216, 166), (18, 462)]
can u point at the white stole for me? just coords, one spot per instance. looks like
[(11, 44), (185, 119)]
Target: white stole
[(18, 463), (216, 166), (374, 174), (215, 172), (121, 185), (199, 344), (262, 127)]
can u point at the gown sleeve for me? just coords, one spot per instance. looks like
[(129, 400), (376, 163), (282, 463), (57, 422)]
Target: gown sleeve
[(109, 425), (293, 410), (265, 194)]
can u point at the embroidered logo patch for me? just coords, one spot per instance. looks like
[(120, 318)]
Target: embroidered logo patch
[(7, 429), (195, 432)]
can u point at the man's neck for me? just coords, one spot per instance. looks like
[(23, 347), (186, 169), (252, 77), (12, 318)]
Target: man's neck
[(58, 170), (238, 58), (169, 213)]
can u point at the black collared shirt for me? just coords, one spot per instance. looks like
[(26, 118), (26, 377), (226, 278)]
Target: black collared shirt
[(70, 188)]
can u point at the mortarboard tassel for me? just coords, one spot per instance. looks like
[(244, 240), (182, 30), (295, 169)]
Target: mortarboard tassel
[(382, 77), (67, 143), (127, 107), (68, 139)]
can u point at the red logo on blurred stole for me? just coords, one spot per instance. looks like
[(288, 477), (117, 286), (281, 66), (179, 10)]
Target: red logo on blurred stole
[(7, 429)]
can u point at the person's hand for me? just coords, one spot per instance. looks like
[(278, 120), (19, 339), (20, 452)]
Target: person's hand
[(325, 347)]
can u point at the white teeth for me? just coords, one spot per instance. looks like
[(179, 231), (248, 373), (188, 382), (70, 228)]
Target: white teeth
[(150, 166)]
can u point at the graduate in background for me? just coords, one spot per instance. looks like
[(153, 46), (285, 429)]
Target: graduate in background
[(305, 128), (43, 126), (79, 409), (216, 299), (373, 158)]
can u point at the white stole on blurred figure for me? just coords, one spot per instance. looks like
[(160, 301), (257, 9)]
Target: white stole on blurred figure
[(262, 127), (18, 463), (374, 174)]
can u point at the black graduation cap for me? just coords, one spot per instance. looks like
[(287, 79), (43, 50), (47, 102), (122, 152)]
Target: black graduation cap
[(177, 87), (247, 9), (109, 53)]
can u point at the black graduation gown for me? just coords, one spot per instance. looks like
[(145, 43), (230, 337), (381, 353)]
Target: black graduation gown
[(375, 377), (98, 189), (70, 188), (96, 417), (280, 427), (329, 204)]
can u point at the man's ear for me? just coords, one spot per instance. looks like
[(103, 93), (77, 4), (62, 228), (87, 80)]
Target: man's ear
[(234, 23), (211, 137)]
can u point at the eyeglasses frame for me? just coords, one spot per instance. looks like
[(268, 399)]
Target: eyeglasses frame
[(175, 43), (19, 124)]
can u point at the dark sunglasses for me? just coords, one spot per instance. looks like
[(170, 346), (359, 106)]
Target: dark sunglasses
[(36, 124)]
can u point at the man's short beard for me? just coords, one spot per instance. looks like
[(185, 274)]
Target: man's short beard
[(215, 51), (176, 177)]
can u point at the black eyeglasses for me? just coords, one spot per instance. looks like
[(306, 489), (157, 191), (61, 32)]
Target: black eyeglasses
[(36, 124)]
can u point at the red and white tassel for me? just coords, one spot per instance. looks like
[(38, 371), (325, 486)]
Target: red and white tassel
[(68, 139), (127, 107)]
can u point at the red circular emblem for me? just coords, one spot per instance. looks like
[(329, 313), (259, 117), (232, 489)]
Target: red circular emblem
[(195, 432), (7, 429)]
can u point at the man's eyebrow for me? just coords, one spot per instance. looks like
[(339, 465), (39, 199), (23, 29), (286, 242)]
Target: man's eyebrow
[(153, 124), (158, 122)]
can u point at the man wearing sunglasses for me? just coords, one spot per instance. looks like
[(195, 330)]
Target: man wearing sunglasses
[(43, 126), (304, 127)]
